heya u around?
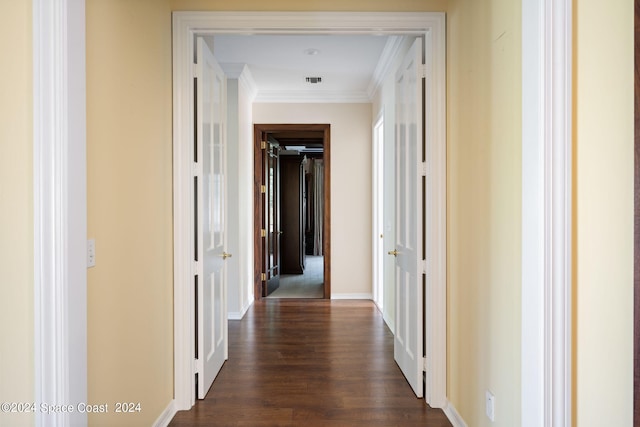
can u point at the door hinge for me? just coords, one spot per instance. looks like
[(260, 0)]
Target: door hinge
[(424, 168), (196, 70), (263, 233), (423, 71), (197, 366), (263, 189), (424, 364), (263, 144), (263, 277), (196, 268), (424, 266)]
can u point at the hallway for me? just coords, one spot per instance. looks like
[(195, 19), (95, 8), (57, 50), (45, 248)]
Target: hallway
[(311, 363), (306, 285)]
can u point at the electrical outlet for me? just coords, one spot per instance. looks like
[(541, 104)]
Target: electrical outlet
[(91, 253), (490, 405)]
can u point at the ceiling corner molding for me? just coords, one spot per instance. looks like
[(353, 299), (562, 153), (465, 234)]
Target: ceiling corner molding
[(311, 97), (387, 58), (246, 79)]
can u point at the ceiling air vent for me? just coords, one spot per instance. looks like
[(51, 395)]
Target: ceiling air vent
[(314, 80)]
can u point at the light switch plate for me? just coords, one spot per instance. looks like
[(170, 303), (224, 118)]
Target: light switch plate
[(91, 253)]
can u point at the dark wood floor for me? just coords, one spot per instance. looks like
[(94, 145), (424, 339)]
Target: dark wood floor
[(311, 363)]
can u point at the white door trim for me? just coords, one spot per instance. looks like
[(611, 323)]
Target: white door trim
[(185, 26), (377, 179), (60, 208), (546, 212)]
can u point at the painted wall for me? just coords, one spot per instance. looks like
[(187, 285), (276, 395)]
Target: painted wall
[(484, 208), (603, 246), (129, 159), (16, 210), (240, 196), (245, 184), (350, 185)]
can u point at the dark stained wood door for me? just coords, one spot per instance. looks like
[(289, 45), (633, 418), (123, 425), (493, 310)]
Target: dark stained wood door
[(271, 202)]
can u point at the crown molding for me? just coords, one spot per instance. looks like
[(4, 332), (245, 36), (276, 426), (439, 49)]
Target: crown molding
[(387, 59), (312, 97)]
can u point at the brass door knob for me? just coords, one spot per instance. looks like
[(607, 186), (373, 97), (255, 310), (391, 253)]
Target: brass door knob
[(393, 252), (226, 255)]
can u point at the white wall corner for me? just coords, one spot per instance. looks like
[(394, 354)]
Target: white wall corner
[(452, 414), (167, 415)]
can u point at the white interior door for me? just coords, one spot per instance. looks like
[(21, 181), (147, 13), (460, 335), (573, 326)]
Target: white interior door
[(408, 350), (211, 234)]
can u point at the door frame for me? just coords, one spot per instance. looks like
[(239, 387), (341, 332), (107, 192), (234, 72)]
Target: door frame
[(430, 25), (377, 202), (258, 260)]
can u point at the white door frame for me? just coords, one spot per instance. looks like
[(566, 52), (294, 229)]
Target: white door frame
[(59, 208), (377, 198), (185, 26), (546, 212)]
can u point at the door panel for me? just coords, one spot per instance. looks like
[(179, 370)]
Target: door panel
[(211, 209), (272, 217), (408, 348)]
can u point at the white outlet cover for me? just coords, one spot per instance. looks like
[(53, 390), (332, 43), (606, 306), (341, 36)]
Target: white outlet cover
[(490, 405)]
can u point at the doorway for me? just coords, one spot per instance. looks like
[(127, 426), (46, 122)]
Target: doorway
[(292, 221), (431, 26)]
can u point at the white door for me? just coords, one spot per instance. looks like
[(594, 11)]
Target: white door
[(211, 234), (408, 351)]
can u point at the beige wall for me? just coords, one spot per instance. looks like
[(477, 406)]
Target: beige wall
[(350, 185), (484, 202), (603, 272), (129, 158), (16, 210)]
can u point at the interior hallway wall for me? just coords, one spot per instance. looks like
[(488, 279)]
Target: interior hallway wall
[(603, 213), (130, 202), (350, 186), (16, 210), (484, 208)]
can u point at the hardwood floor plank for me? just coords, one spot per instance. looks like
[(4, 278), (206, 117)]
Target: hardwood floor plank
[(311, 363)]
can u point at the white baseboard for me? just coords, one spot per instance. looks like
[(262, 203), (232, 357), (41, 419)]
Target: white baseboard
[(453, 415), (351, 296), (238, 315), (167, 415), (389, 323)]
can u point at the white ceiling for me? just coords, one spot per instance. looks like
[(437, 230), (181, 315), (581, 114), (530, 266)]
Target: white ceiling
[(348, 65)]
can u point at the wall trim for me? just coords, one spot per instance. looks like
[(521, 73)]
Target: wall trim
[(60, 203), (546, 213), (452, 414), (366, 296), (185, 26), (167, 415), (238, 315)]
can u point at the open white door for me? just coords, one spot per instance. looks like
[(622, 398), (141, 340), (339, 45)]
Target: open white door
[(408, 350), (211, 233)]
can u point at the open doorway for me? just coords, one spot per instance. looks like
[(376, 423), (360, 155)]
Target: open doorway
[(292, 215)]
